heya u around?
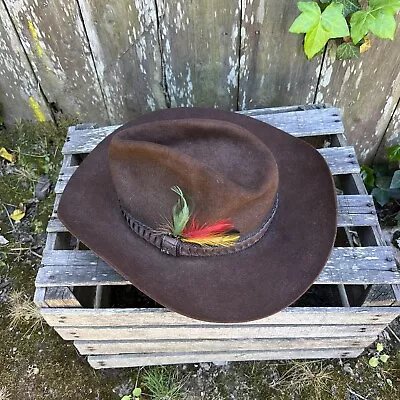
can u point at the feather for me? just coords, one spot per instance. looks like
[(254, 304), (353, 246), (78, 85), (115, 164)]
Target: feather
[(197, 231), (180, 212), (215, 240)]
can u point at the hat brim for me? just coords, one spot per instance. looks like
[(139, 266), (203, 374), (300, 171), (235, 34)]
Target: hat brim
[(245, 286)]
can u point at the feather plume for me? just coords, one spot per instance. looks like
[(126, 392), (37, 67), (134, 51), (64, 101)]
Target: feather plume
[(197, 231), (180, 212), (215, 240)]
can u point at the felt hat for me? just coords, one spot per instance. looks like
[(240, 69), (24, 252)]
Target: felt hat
[(213, 214)]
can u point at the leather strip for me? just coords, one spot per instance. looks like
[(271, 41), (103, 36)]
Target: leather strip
[(175, 247)]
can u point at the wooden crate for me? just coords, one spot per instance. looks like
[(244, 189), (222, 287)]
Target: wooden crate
[(73, 285)]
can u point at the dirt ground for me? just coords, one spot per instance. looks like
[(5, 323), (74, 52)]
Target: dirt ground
[(35, 363)]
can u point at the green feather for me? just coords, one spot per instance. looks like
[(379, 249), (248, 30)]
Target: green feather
[(180, 212)]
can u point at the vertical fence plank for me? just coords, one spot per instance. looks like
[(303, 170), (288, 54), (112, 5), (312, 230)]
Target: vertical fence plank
[(366, 90), (53, 36), (124, 39), (200, 43), (274, 70), (20, 96)]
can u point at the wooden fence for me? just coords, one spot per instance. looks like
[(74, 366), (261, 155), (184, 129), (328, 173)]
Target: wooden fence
[(109, 61)]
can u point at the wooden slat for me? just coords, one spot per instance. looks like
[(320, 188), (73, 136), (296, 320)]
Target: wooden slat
[(162, 317), (217, 331), (200, 48), (304, 123), (346, 265), (341, 160), (87, 347), (54, 38), (273, 67), (135, 360), (20, 95), (60, 297), (124, 40), (39, 297)]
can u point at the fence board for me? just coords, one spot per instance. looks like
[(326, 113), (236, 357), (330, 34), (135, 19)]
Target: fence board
[(20, 96), (366, 90), (124, 40), (273, 68), (164, 317), (200, 45), (53, 36), (136, 360)]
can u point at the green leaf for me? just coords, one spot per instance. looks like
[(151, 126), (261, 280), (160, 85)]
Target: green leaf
[(126, 398), (379, 347), (389, 382), (307, 19), (393, 153), (347, 51), (381, 170), (391, 6), (360, 22), (319, 27), (383, 182), (395, 183), (373, 362), (383, 25), (367, 175), (384, 358), (180, 212), (349, 6), (382, 196), (136, 392)]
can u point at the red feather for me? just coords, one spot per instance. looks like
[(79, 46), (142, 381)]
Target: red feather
[(197, 231)]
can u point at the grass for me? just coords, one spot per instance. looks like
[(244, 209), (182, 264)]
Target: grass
[(164, 383), (4, 395)]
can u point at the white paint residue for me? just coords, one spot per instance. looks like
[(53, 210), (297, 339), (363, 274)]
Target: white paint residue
[(326, 76), (359, 79), (260, 12), (346, 75)]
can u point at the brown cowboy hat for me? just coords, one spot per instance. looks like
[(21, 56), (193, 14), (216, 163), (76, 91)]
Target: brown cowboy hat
[(273, 192)]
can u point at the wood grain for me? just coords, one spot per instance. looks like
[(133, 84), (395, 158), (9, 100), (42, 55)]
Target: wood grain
[(54, 38), (20, 95), (200, 51)]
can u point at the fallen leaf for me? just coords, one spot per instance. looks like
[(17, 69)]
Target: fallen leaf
[(3, 240), (384, 358), (373, 362), (366, 45), (6, 155), (379, 347), (18, 213)]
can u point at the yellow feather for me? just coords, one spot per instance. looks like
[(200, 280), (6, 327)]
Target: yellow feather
[(217, 240)]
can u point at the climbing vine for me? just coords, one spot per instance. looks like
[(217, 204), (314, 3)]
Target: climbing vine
[(350, 21)]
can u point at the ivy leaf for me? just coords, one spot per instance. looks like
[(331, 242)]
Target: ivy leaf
[(373, 362), (383, 25), (383, 182), (391, 6), (360, 22), (349, 6), (319, 27), (393, 153), (395, 183), (367, 175), (379, 347), (346, 51), (382, 196), (384, 358)]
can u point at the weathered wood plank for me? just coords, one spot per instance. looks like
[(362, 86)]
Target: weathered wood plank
[(341, 160), (20, 96), (299, 123), (351, 84), (273, 67), (200, 50), (87, 347), (135, 360), (54, 38), (217, 331), (39, 297), (346, 265), (124, 40), (60, 297), (163, 317)]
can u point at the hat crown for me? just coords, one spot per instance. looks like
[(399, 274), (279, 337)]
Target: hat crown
[(224, 170)]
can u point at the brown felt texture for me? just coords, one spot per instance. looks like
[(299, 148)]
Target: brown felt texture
[(248, 285)]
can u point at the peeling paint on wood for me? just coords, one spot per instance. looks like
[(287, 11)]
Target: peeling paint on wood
[(124, 40), (200, 43), (54, 39), (273, 68), (20, 95), (366, 90)]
